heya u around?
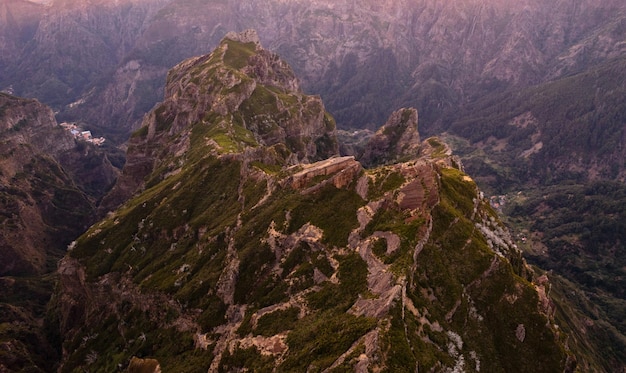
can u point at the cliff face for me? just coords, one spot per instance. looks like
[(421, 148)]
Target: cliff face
[(246, 97), (36, 190), (48, 187), (241, 252)]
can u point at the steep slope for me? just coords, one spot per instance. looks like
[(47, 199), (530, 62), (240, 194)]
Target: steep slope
[(237, 253), (568, 129), (43, 207), (253, 98), (555, 155), (19, 21), (41, 204)]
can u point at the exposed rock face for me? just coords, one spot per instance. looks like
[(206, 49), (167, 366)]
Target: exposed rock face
[(241, 253), (340, 172), (48, 185), (36, 192), (395, 140), (248, 94)]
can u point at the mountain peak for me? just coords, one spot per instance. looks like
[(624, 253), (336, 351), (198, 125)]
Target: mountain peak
[(250, 246), (240, 100), (247, 36), (397, 139)]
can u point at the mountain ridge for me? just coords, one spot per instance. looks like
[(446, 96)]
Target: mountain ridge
[(242, 259)]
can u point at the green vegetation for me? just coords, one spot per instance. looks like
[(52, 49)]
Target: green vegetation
[(316, 342), (331, 209), (278, 321), (393, 220), (237, 54), (246, 359), (112, 343), (438, 147), (196, 248), (583, 231), (578, 117), (352, 276), (600, 344), (383, 180), (472, 291), (137, 234), (164, 118)]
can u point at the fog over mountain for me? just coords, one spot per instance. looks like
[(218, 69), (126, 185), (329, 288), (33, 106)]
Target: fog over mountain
[(529, 94)]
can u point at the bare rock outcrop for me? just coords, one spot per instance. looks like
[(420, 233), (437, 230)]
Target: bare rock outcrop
[(396, 140), (242, 96), (339, 171)]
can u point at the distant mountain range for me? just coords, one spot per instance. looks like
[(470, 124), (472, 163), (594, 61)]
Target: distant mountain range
[(469, 67), (104, 62)]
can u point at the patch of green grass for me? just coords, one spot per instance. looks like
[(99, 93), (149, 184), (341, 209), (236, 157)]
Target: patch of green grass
[(459, 189), (237, 54), (540, 351), (379, 247), (350, 361), (438, 146), (262, 102), (248, 359), (140, 233), (270, 169), (315, 343), (253, 191), (255, 283), (323, 265), (395, 221), (331, 209), (383, 180), (352, 274), (164, 118), (399, 356), (277, 321)]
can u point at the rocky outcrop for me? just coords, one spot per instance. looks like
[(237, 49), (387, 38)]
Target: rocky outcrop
[(396, 140), (241, 96), (339, 172)]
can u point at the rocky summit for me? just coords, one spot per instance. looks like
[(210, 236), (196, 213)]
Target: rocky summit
[(247, 244)]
